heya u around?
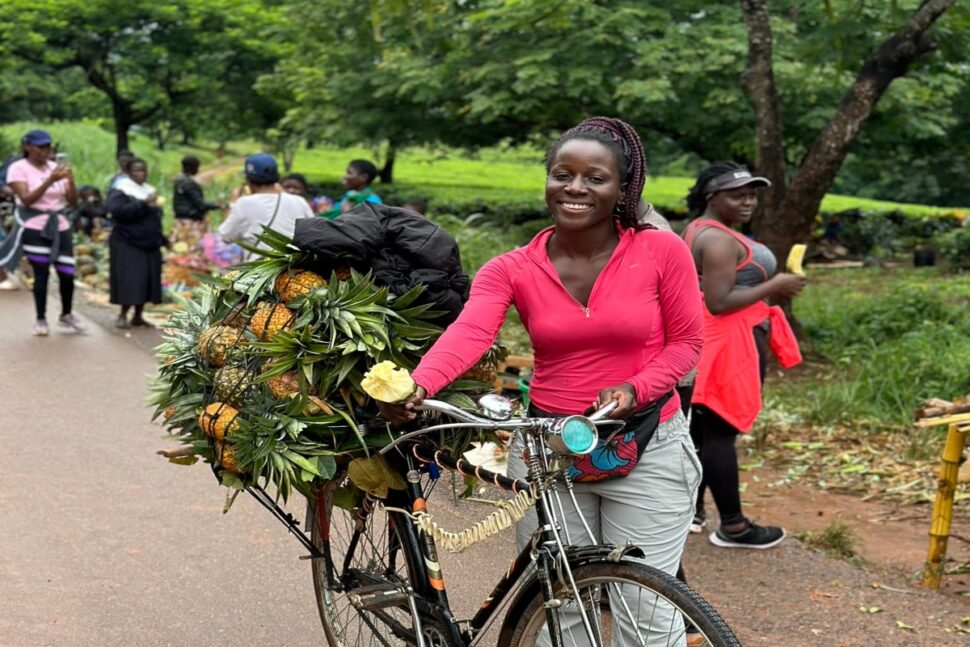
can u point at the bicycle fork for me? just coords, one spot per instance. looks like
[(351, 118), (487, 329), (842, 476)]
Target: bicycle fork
[(546, 559)]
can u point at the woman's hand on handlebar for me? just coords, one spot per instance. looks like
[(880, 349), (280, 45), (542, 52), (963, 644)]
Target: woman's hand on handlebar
[(626, 401), (400, 413)]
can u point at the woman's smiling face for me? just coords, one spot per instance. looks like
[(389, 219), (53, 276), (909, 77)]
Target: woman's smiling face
[(583, 184), (734, 206)]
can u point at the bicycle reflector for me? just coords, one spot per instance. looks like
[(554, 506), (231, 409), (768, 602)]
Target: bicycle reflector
[(573, 435)]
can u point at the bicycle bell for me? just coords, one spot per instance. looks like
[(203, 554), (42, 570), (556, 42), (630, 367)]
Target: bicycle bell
[(495, 406), (573, 435)]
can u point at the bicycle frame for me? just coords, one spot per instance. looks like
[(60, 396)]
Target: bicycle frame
[(547, 556)]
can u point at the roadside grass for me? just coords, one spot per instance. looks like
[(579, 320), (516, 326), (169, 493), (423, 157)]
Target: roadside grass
[(880, 340), (92, 151), (837, 539)]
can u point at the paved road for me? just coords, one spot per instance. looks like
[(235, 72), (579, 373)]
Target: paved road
[(104, 543)]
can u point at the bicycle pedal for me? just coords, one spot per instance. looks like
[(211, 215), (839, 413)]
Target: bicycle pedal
[(377, 596)]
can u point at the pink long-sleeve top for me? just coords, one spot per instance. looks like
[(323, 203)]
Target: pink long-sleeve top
[(642, 325)]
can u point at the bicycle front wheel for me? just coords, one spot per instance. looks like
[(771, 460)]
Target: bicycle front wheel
[(363, 598), (623, 604)]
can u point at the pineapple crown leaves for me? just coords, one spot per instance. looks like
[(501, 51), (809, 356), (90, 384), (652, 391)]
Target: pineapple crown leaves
[(275, 447), (498, 352)]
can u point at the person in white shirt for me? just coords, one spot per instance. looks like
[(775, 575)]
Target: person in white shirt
[(267, 205)]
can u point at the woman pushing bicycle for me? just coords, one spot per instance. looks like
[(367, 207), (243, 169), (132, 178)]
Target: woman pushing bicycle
[(613, 311)]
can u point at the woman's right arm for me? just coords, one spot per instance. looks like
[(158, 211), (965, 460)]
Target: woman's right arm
[(123, 208), (473, 333), (465, 340), (719, 254), (232, 228), (28, 198)]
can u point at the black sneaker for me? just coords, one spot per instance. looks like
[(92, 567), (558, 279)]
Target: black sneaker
[(754, 536)]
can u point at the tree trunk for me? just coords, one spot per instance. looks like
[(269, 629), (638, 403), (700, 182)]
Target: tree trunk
[(758, 82), (387, 172), (789, 218), (123, 122), (288, 153)]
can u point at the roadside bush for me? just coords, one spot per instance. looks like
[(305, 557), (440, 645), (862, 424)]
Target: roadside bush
[(876, 386), (864, 233), (954, 247), (887, 232), (884, 351), (835, 327)]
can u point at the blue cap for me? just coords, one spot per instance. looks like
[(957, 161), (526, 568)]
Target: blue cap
[(261, 169), (37, 138)]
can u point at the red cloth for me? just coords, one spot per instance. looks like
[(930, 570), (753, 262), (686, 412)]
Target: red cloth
[(642, 324), (728, 379)]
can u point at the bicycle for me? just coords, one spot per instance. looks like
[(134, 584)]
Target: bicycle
[(375, 567)]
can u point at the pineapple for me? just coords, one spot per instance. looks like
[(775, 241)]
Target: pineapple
[(284, 385), (296, 283), (215, 342), (486, 369), (270, 319), (342, 273), (219, 420), (226, 458), (233, 384), (235, 318), (386, 382)]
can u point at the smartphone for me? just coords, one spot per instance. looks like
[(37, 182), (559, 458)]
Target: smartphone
[(61, 158)]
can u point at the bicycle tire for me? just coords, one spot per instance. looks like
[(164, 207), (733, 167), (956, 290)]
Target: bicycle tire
[(652, 587), (368, 549)]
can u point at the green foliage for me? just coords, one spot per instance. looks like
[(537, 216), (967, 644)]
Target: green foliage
[(954, 247), (888, 338), (163, 65)]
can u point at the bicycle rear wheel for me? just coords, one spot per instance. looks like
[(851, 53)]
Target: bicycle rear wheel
[(626, 604), (363, 600)]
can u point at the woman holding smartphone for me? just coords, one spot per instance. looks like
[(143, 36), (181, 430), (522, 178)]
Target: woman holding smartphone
[(43, 189)]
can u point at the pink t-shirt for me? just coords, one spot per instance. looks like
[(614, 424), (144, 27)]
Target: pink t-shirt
[(54, 198), (643, 323)]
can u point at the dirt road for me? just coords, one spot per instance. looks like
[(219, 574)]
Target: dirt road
[(104, 543)]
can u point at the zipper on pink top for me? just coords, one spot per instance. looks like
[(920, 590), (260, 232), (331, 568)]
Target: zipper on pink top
[(550, 269)]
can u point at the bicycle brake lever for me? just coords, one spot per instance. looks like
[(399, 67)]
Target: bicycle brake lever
[(604, 411)]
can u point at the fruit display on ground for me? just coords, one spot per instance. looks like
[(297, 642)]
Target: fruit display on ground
[(260, 373)]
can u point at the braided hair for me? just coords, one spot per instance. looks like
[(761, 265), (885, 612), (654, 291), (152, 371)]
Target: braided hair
[(624, 142), (697, 197)]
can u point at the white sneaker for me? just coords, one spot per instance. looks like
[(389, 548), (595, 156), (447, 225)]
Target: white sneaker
[(697, 524), (9, 285), (72, 322), (41, 329)]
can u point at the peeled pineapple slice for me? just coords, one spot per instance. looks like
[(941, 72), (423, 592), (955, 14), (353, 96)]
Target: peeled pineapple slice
[(795, 258), (388, 383)]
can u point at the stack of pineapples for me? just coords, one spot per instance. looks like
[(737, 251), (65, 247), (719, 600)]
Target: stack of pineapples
[(260, 373)]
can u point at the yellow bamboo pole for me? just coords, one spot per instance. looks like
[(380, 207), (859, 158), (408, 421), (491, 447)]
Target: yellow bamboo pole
[(943, 507)]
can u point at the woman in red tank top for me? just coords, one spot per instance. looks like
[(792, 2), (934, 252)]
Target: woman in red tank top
[(737, 275)]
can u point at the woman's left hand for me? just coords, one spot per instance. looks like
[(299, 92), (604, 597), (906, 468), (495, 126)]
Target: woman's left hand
[(626, 398)]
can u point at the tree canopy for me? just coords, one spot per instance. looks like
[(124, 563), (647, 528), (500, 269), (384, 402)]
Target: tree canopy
[(158, 64), (398, 73)]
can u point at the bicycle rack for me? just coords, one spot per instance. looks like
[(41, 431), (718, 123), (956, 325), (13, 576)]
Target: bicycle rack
[(287, 519)]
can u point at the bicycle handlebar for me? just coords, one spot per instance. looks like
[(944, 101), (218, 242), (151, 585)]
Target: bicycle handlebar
[(556, 427)]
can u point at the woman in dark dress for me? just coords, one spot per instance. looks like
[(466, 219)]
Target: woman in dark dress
[(136, 241)]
